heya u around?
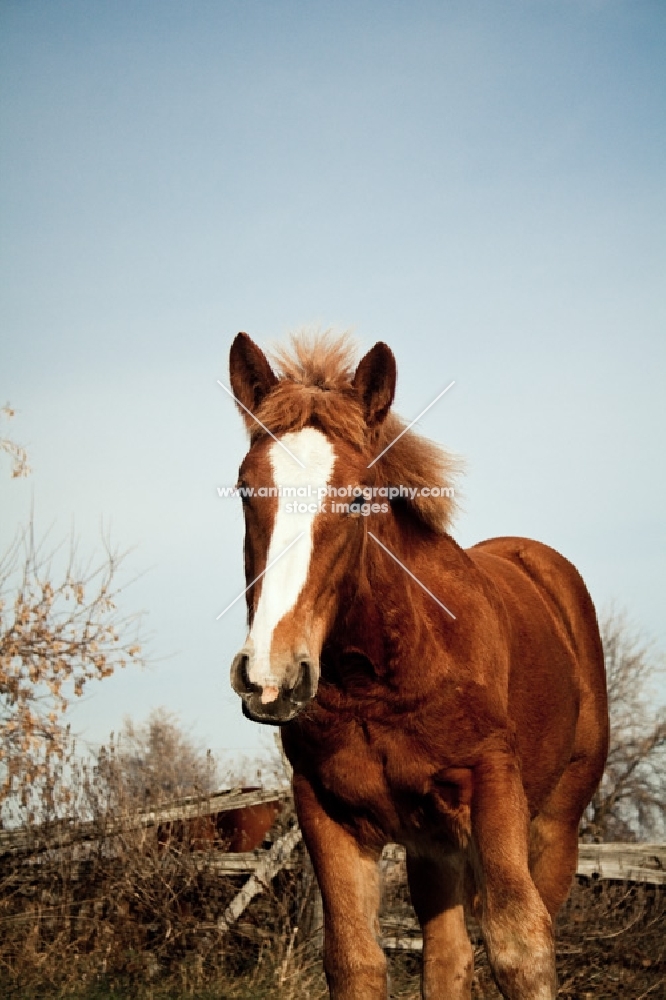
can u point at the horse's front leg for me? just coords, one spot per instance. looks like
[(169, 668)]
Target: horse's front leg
[(348, 877), (436, 886), (516, 925)]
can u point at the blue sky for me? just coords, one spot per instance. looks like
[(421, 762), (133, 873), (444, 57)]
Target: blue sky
[(479, 184)]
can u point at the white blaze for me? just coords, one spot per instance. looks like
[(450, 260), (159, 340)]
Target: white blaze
[(284, 581)]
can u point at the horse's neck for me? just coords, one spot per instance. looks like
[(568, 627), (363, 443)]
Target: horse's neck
[(377, 619)]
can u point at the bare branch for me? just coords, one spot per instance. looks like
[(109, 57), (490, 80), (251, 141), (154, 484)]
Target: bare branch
[(17, 454), (630, 803), (59, 630)]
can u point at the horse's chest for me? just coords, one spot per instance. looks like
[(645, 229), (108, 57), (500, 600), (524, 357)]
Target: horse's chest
[(387, 790)]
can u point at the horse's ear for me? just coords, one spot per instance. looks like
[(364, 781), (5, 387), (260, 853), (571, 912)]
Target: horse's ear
[(374, 381), (250, 374)]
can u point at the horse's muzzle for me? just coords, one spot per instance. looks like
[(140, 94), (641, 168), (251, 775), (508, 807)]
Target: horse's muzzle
[(274, 706)]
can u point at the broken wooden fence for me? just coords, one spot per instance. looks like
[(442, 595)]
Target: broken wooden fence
[(644, 863), (633, 863)]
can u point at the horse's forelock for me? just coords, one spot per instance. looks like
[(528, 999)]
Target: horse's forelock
[(317, 359), (314, 389)]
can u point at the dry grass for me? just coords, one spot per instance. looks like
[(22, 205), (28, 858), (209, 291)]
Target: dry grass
[(136, 913), (131, 918), (126, 917), (611, 942)]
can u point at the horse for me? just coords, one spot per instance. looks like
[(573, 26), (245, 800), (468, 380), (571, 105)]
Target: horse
[(452, 701), (234, 831)]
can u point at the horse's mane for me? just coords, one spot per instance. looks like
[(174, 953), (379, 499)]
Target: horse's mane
[(315, 388)]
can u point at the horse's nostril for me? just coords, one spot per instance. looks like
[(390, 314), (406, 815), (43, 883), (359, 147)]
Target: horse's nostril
[(240, 675), (243, 665), (304, 686)]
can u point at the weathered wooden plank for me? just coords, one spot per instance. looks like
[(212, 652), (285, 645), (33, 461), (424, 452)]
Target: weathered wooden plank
[(644, 863), (64, 833), (239, 864), (273, 861), (402, 943), (626, 862), (632, 862)]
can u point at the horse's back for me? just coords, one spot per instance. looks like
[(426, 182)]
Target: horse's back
[(545, 572)]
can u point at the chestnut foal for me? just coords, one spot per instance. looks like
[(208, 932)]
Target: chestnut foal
[(449, 700)]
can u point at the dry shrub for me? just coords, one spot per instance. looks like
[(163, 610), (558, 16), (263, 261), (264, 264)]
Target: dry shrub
[(611, 942), (123, 916), (133, 912), (125, 911), (155, 762), (60, 629), (630, 802)]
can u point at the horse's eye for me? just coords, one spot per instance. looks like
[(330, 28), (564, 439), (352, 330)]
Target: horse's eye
[(243, 491), (355, 507)]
